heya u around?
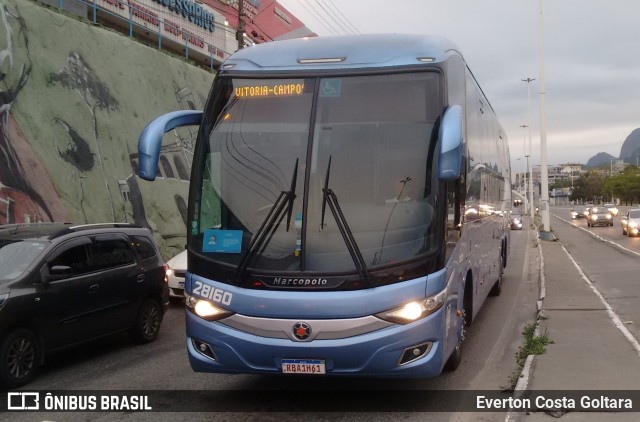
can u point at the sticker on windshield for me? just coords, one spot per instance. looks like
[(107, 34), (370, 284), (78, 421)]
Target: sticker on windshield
[(222, 241), (330, 88)]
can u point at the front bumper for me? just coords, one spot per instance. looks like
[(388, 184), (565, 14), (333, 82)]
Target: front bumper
[(372, 354)]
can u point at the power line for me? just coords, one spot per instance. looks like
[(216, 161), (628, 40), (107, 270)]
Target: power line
[(332, 16), (346, 20), (319, 18)]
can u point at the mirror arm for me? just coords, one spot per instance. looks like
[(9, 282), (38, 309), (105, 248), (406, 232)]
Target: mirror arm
[(150, 140)]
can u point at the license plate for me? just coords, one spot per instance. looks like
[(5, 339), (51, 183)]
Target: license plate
[(303, 366)]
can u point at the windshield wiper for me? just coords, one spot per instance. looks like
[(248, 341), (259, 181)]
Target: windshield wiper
[(329, 197), (267, 229)]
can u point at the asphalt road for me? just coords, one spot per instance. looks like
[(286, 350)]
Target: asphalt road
[(117, 364), (608, 258)]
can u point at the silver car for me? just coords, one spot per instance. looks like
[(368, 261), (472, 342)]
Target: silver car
[(599, 216), (612, 209), (630, 222)]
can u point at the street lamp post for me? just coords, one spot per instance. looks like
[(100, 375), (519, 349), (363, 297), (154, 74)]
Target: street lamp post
[(528, 81), (524, 149), (571, 176), (518, 177), (544, 175), (525, 189)]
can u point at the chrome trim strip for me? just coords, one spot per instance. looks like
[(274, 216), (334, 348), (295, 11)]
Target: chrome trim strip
[(321, 329)]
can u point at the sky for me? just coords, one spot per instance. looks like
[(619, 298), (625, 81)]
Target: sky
[(591, 62)]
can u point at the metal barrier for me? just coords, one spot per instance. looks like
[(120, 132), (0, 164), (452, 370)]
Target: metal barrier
[(206, 48)]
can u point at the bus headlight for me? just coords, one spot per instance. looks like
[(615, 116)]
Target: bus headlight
[(416, 310), (205, 309)]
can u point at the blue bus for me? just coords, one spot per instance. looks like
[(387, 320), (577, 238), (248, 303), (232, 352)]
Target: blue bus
[(348, 208)]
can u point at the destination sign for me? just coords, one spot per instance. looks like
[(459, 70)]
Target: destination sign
[(269, 90)]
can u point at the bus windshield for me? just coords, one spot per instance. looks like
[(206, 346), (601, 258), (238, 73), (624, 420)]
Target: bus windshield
[(369, 139)]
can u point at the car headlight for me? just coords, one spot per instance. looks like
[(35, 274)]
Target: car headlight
[(205, 309), (609, 216), (633, 224), (586, 212), (594, 217), (3, 299), (415, 310)]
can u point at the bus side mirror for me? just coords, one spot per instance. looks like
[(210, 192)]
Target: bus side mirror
[(150, 139), (450, 140)]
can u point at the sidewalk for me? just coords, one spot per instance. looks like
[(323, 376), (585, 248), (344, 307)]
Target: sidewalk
[(589, 352)]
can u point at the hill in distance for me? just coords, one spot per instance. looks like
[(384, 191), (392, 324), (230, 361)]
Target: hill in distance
[(629, 152)]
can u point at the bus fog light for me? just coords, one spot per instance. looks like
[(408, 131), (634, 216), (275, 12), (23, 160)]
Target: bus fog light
[(415, 352), (203, 348)]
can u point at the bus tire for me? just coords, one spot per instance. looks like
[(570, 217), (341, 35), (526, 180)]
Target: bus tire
[(497, 287), (505, 252), (456, 357)]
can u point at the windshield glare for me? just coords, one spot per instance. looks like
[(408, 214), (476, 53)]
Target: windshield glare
[(16, 257), (376, 130)]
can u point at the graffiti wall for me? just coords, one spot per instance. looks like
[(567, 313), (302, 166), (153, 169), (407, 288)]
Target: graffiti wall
[(73, 99)]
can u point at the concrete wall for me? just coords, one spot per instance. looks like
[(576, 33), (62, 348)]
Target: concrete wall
[(73, 99)]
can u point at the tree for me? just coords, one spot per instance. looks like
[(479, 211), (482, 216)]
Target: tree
[(625, 185), (589, 187)]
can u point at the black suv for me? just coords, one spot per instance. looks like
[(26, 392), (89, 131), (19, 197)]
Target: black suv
[(61, 285)]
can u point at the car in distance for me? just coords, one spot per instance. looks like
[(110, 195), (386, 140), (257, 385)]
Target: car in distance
[(599, 216), (581, 212), (630, 222), (62, 285), (612, 209), (176, 272), (515, 220)]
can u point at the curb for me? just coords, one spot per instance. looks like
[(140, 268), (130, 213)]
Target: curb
[(523, 381), (525, 375)]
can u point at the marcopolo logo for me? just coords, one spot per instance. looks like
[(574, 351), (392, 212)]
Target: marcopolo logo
[(286, 281), (314, 282)]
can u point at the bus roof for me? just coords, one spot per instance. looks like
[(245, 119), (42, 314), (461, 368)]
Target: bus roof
[(342, 52)]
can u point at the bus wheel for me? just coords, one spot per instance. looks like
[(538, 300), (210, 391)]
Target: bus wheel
[(497, 287), (504, 254), (456, 357)]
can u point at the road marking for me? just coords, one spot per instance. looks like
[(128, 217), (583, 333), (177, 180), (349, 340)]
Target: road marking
[(614, 317), (596, 236)]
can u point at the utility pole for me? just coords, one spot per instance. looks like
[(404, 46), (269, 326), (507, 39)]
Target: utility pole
[(544, 172), (240, 30), (526, 169), (528, 81)]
